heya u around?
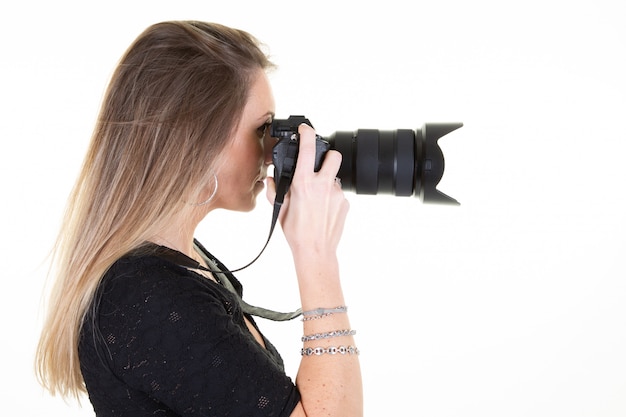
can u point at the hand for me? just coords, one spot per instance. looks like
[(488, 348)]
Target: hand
[(314, 211)]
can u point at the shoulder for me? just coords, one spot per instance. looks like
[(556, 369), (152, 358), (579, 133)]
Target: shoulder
[(145, 269), (135, 274), (147, 300), (148, 285)]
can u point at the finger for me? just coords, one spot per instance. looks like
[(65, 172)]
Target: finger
[(331, 164), (306, 152)]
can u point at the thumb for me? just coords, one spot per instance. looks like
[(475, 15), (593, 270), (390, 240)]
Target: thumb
[(271, 197), (270, 193)]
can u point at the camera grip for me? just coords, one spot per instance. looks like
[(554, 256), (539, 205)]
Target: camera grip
[(285, 155)]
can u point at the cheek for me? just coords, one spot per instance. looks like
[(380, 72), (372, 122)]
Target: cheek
[(247, 164), (248, 157), (256, 153)]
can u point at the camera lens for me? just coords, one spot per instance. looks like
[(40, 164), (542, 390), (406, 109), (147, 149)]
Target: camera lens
[(400, 162)]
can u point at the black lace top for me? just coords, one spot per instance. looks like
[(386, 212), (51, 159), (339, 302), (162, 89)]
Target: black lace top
[(161, 340)]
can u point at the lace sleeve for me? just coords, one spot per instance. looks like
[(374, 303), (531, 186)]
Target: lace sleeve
[(179, 340)]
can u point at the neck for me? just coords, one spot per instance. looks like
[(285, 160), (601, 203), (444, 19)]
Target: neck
[(180, 230), (178, 236), (183, 245)]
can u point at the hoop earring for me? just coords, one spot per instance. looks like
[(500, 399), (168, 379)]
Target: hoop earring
[(208, 200)]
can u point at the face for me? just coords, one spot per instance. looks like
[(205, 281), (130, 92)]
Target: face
[(242, 174)]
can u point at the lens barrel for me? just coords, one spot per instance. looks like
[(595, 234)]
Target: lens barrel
[(400, 162)]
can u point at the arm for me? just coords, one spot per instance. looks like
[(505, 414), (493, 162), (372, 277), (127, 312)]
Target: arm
[(312, 219)]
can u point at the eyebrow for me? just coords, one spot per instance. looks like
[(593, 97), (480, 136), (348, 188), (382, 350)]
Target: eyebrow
[(268, 114)]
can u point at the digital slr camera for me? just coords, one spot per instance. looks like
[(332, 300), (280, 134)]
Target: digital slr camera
[(400, 162)]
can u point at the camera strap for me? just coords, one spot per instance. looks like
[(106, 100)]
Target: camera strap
[(225, 276), (282, 186)]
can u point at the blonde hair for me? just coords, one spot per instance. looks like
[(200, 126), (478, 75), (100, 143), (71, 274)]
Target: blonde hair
[(172, 105)]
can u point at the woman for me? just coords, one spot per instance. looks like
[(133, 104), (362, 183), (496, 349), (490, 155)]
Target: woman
[(140, 316)]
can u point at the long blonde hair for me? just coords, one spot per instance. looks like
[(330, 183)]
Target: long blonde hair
[(171, 107)]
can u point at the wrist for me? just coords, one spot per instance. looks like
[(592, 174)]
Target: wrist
[(312, 254), (320, 269)]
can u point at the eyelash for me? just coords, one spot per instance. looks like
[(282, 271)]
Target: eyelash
[(262, 130)]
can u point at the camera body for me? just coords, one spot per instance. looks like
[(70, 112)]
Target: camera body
[(286, 131), (400, 162)]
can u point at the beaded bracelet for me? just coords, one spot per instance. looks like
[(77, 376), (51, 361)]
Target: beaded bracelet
[(331, 350), (328, 335), (319, 313)]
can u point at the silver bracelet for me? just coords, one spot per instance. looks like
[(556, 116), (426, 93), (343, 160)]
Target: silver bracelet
[(319, 313), (328, 335), (331, 350)]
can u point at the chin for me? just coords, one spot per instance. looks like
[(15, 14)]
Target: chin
[(247, 206)]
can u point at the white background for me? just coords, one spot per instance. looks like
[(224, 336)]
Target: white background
[(512, 304)]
